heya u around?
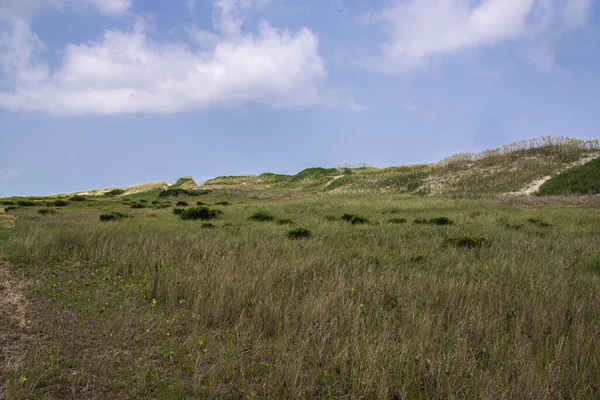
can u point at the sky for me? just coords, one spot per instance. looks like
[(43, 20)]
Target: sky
[(113, 93)]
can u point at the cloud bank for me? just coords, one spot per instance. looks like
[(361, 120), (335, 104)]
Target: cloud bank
[(419, 30), (128, 72)]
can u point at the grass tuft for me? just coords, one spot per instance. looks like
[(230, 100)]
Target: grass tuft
[(202, 213), (262, 215), (468, 241), (299, 233)]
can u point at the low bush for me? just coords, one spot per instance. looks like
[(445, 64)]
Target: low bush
[(468, 241), (397, 221), (60, 203), (539, 222), (77, 198), (299, 233), (441, 221), (178, 211), (331, 218), (10, 208), (7, 203), (420, 221), (594, 265), (113, 216), (176, 192), (26, 203), (262, 215), (45, 211), (203, 213), (208, 225), (285, 221), (182, 204), (199, 203), (115, 192), (355, 219), (223, 203), (138, 205)]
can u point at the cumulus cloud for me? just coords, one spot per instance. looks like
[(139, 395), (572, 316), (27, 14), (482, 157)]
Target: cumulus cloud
[(128, 72), (418, 30)]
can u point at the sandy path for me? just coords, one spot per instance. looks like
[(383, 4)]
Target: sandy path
[(13, 324)]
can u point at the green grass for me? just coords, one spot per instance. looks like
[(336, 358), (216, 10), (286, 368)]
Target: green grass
[(161, 308), (583, 179)]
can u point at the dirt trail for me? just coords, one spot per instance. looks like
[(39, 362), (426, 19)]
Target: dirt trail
[(13, 323)]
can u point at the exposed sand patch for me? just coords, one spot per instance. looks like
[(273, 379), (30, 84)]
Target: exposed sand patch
[(13, 323)]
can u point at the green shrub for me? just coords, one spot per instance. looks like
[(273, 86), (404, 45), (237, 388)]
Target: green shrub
[(223, 203), (161, 206), (113, 216), (468, 241), (594, 265), (114, 192), (137, 205), (45, 211), (144, 201), (26, 203), (203, 213), (331, 218), (420, 221), (441, 221), (539, 222), (77, 198), (60, 203), (182, 204), (207, 225), (299, 233), (7, 203), (315, 173), (199, 203), (10, 208), (178, 211), (397, 221), (176, 192), (582, 179), (285, 221), (262, 215), (355, 219)]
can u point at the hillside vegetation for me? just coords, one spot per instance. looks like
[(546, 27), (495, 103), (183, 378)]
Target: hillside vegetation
[(583, 179), (506, 170), (492, 172)]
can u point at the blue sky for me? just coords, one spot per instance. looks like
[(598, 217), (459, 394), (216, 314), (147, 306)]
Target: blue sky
[(112, 93)]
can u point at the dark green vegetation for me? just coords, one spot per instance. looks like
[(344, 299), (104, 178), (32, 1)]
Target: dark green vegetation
[(113, 216), (583, 179), (485, 297), (354, 219), (299, 233), (262, 215), (114, 192), (203, 213)]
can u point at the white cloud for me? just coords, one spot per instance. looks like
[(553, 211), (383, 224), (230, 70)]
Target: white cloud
[(6, 175), (419, 30), (111, 7), (127, 72)]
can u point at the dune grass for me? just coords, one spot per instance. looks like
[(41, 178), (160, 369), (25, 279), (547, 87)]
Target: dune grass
[(162, 308)]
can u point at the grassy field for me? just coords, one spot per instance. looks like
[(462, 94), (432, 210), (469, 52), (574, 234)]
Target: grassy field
[(497, 299)]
